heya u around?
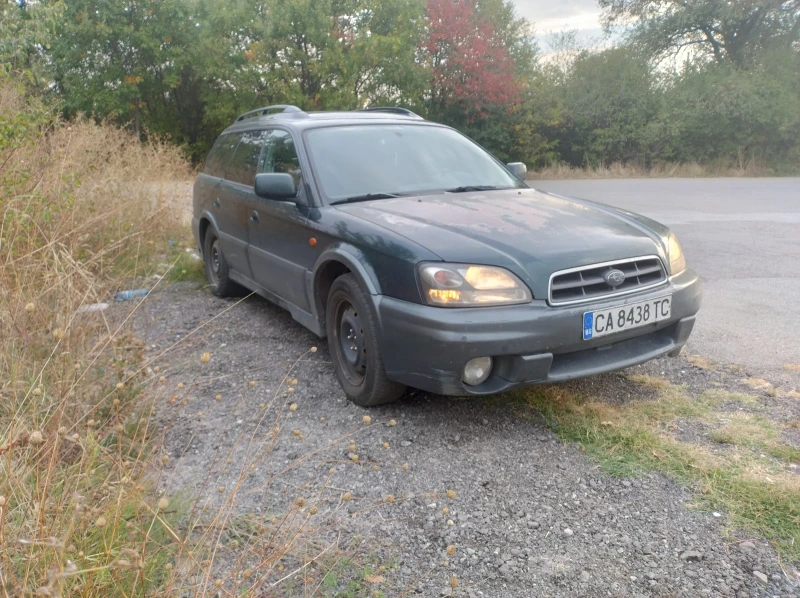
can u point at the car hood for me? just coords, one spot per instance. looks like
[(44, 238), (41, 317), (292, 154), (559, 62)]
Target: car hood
[(530, 232)]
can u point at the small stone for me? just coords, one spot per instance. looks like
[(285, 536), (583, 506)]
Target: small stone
[(761, 577), (747, 546), (567, 532), (405, 443), (485, 422), (585, 577), (691, 555)]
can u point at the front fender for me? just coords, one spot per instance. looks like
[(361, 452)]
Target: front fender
[(356, 262)]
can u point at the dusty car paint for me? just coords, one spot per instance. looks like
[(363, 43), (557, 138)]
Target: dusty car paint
[(531, 233)]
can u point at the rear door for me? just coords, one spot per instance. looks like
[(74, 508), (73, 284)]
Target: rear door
[(229, 214), (279, 238), (240, 198)]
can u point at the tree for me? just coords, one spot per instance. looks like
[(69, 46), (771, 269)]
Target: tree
[(722, 114), (725, 30), (610, 100), (121, 59), (341, 54), (470, 69), (26, 32)]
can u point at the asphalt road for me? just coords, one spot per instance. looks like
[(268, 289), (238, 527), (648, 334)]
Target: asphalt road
[(743, 237)]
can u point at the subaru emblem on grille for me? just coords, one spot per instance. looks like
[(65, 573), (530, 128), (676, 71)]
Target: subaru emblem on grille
[(615, 277)]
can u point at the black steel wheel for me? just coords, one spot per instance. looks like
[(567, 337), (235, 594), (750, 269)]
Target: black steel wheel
[(353, 343)]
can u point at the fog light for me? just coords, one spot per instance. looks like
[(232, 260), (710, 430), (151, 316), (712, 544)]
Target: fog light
[(477, 370)]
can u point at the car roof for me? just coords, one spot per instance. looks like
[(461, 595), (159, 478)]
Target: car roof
[(293, 117)]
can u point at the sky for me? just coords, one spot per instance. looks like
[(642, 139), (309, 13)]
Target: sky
[(552, 16)]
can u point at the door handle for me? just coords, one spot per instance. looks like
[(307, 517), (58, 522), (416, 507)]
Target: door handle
[(254, 216), (216, 203)]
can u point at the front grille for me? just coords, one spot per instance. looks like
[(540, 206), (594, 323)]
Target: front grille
[(588, 282)]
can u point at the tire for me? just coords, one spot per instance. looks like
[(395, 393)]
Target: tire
[(352, 330), (217, 272)]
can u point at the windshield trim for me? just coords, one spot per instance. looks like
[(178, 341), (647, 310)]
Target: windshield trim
[(328, 201)]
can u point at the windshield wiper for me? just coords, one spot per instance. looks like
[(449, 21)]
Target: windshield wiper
[(468, 188), (365, 197)]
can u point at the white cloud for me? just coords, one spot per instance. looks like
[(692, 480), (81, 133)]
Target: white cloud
[(549, 16)]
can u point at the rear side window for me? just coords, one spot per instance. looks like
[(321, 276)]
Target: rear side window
[(242, 168), (280, 155), (220, 155)]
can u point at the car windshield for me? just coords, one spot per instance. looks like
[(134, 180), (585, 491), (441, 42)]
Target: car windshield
[(382, 161)]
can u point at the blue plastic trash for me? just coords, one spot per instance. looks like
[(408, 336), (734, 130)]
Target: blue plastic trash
[(128, 295)]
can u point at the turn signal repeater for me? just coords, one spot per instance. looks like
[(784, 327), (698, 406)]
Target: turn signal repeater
[(312, 241)]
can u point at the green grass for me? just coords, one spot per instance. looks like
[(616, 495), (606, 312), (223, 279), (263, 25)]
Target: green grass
[(748, 482), (349, 579), (185, 267)]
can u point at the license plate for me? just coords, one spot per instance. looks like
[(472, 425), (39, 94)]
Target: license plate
[(624, 317)]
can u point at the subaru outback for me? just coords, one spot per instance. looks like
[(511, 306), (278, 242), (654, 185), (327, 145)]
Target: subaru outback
[(426, 262)]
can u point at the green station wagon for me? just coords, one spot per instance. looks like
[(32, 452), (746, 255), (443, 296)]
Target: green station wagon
[(428, 263)]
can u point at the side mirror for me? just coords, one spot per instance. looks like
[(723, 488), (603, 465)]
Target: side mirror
[(518, 169), (275, 185)]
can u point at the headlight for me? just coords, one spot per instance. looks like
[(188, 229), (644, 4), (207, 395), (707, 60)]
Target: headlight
[(460, 285), (677, 263)]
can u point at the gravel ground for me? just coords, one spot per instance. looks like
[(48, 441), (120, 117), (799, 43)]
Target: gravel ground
[(530, 516)]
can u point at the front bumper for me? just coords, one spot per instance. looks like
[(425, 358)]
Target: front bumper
[(427, 347)]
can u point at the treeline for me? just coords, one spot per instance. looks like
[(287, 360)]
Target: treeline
[(711, 81)]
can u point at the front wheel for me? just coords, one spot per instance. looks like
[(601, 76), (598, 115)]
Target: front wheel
[(353, 342)]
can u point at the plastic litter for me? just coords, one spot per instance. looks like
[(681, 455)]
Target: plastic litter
[(133, 294), (83, 309)]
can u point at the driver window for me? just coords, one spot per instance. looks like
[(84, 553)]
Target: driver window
[(279, 155)]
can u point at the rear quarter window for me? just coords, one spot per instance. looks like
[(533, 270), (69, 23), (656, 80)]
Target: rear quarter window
[(220, 155)]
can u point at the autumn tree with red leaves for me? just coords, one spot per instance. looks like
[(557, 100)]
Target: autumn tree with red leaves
[(471, 70)]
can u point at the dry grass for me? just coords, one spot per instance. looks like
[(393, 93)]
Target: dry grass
[(78, 513), (617, 170), (652, 382), (699, 362), (756, 383), (85, 211)]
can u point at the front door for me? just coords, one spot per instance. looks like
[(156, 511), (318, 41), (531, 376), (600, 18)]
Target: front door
[(277, 229)]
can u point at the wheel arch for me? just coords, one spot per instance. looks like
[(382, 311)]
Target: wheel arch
[(205, 222), (334, 262)]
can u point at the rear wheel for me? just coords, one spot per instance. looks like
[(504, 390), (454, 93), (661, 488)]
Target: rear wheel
[(353, 343), (217, 271)]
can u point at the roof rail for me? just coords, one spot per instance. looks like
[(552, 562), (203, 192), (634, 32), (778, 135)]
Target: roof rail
[(283, 108), (392, 109)]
